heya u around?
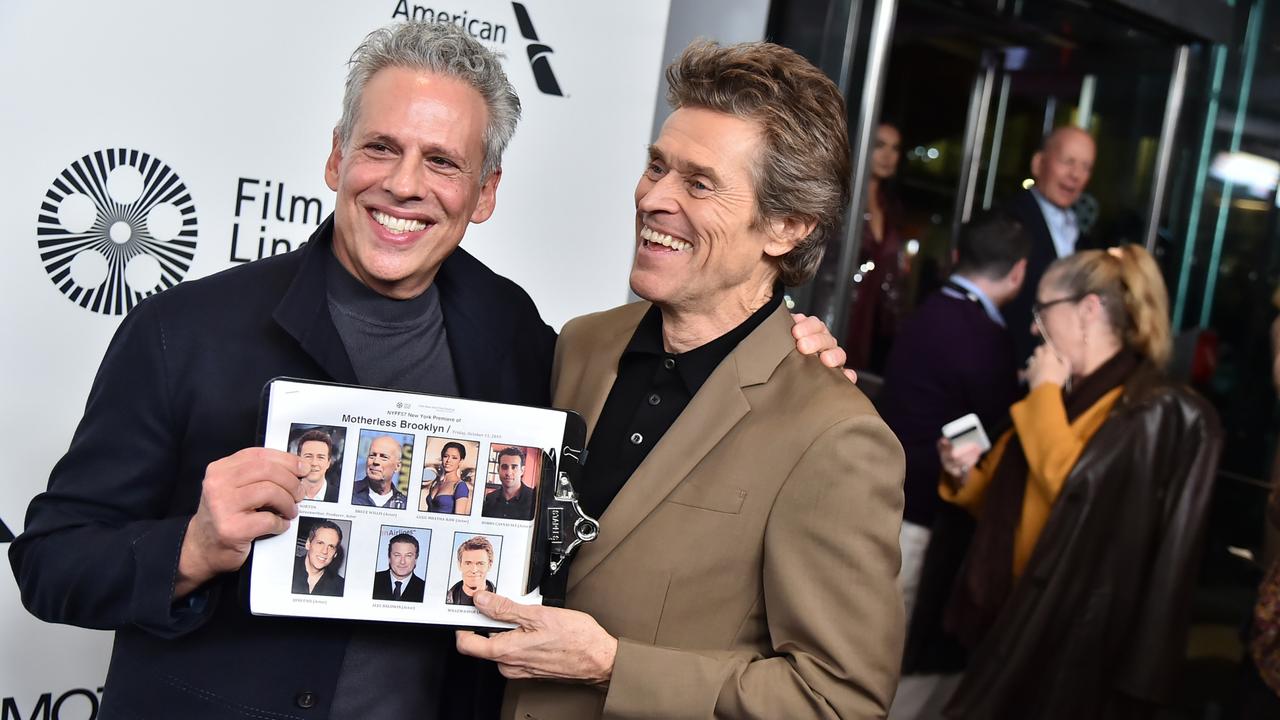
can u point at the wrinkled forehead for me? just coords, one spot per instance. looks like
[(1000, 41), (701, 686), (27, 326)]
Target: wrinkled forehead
[(701, 141)]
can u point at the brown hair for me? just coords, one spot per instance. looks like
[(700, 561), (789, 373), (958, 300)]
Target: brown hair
[(479, 542), (1127, 280), (803, 171)]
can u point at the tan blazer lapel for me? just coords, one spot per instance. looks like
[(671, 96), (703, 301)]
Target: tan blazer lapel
[(595, 375), (712, 413)]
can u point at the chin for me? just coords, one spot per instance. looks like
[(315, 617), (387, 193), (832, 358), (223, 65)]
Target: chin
[(647, 287)]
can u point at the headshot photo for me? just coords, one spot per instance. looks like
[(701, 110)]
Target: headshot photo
[(320, 447), (382, 470), (402, 564), (320, 556), (475, 567), (448, 475), (511, 490)]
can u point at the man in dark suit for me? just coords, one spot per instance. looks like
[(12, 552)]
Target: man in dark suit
[(952, 357), (316, 571), (1061, 169), (315, 447), (162, 517), (398, 582)]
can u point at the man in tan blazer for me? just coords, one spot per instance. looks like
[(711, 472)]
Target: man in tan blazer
[(751, 499)]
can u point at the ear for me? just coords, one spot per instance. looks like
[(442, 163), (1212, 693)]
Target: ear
[(785, 234), (1036, 161), (1091, 308), (335, 160), (488, 197), (1017, 275)]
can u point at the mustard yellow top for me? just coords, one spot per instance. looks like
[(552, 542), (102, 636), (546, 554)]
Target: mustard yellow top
[(1052, 446)]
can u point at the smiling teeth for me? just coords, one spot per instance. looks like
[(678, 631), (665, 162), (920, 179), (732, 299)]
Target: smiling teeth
[(396, 224), (650, 235)]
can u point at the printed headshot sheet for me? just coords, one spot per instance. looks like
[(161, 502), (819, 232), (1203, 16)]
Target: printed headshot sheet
[(413, 503)]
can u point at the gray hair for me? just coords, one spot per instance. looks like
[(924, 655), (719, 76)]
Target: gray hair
[(439, 48)]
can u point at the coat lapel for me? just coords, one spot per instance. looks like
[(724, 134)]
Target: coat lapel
[(717, 407), (472, 321), (602, 369), (303, 312)]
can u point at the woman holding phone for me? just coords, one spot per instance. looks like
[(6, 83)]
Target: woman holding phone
[(1075, 592)]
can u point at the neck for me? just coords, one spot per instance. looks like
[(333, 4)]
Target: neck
[(377, 486), (510, 494), (312, 571), (401, 578), (990, 288), (684, 329), (1099, 349), (311, 488), (469, 590)]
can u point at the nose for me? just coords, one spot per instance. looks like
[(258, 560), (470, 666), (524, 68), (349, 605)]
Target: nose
[(1035, 329), (659, 196), (406, 179)]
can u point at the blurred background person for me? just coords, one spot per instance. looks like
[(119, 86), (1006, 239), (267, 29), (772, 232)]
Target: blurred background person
[(953, 356), (1061, 169), (1076, 589), (1259, 695), (880, 274)]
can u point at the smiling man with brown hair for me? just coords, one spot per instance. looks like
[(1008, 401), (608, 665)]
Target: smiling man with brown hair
[(749, 501)]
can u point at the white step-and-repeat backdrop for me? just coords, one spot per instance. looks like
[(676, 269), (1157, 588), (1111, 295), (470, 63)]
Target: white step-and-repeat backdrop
[(232, 105)]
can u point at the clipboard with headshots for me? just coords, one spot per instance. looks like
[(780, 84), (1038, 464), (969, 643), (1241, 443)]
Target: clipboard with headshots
[(412, 503)]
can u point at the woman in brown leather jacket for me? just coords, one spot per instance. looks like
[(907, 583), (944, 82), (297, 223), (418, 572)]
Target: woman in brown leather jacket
[(1075, 592)]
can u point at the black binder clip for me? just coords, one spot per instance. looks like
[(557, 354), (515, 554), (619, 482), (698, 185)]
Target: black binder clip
[(561, 525)]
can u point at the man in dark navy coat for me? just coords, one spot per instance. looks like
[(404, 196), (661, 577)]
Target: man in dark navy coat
[(1061, 169), (150, 515)]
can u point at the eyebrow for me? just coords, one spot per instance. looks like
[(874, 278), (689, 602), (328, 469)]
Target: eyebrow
[(686, 168), (430, 149)]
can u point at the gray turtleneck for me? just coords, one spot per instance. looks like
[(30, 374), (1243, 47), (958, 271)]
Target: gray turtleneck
[(391, 671)]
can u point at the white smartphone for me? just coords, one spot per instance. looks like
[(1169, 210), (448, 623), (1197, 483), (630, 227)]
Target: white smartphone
[(967, 430)]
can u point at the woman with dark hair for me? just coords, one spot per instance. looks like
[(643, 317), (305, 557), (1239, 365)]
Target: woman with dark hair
[(1076, 590), (876, 301), (449, 491)]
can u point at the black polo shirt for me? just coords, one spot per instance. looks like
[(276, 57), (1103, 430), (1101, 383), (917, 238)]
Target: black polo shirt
[(652, 389), (520, 507)]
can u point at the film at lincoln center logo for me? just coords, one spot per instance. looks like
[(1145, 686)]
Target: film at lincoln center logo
[(116, 226)]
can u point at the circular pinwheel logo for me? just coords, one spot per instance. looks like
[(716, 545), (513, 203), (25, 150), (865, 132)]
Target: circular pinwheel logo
[(116, 226)]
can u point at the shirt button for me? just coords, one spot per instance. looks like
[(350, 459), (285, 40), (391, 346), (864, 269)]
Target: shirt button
[(636, 438), (669, 363), (305, 700), (654, 399)]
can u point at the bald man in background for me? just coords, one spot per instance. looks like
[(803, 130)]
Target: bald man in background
[(1061, 169)]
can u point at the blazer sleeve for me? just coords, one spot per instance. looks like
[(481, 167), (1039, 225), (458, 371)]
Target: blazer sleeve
[(834, 612), (98, 550)]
